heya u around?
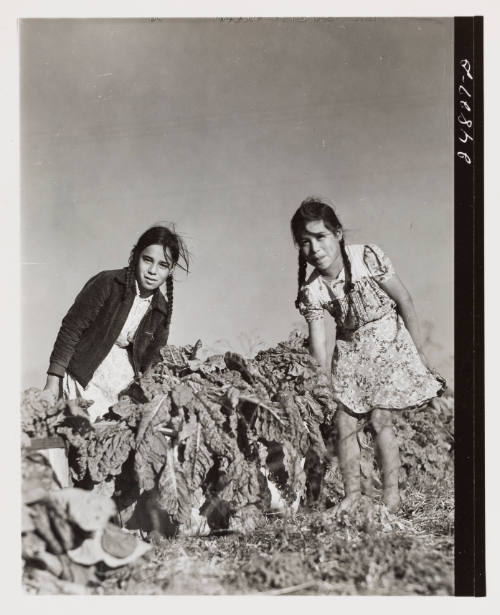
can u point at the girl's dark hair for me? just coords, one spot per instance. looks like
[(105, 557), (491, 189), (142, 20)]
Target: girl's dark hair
[(178, 257), (310, 210)]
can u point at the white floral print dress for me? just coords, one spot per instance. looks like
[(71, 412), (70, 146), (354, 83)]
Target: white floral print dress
[(115, 373), (375, 363)]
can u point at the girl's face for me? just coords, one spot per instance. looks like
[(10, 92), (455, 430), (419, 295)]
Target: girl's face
[(152, 268), (321, 247)]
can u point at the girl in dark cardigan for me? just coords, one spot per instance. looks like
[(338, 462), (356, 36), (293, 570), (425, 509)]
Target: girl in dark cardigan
[(117, 324)]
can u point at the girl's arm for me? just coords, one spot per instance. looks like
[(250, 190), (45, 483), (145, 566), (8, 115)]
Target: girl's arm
[(79, 317), (317, 341), (53, 384), (399, 293)]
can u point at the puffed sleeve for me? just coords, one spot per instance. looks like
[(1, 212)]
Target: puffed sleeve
[(310, 305), (377, 263)]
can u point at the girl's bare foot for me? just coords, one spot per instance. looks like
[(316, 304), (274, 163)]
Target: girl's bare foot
[(392, 500), (348, 504)]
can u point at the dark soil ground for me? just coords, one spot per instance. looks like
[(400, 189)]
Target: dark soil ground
[(370, 552)]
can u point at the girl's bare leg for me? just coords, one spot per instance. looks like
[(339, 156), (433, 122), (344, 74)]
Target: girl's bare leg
[(388, 454), (349, 457)]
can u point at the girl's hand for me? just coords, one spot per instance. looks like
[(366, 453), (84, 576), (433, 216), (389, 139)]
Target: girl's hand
[(53, 385)]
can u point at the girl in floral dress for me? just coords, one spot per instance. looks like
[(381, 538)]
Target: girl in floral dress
[(378, 365)]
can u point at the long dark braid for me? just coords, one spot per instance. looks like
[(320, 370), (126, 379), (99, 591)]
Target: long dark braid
[(129, 278), (348, 285), (170, 301), (301, 276)]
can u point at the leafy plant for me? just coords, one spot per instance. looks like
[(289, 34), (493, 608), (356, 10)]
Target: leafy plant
[(221, 437)]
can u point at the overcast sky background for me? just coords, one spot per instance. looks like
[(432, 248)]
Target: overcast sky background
[(223, 127)]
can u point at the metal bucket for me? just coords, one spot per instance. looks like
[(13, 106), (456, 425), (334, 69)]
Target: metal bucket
[(54, 450)]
